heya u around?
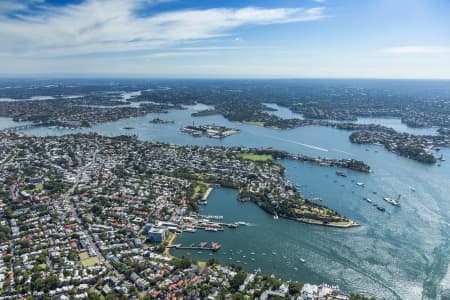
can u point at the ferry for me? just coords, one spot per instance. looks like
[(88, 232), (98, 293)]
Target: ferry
[(391, 201)]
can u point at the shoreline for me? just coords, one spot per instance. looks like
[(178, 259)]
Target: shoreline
[(169, 243), (207, 193), (349, 224)]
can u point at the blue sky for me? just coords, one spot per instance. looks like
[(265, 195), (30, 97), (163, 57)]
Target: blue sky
[(226, 38)]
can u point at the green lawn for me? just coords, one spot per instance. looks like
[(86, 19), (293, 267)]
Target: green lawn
[(168, 238), (201, 264), (84, 255), (256, 157), (87, 261), (255, 123), (200, 188), (37, 188), (90, 261)]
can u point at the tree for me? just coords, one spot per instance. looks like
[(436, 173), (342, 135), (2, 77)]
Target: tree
[(295, 288), (182, 263), (212, 261), (237, 280), (96, 210), (4, 233)]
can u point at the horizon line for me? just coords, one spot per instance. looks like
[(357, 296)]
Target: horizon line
[(204, 77)]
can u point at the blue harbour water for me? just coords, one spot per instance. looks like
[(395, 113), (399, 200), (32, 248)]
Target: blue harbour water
[(402, 253)]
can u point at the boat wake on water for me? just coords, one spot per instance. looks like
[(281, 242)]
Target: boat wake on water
[(344, 152), (298, 143)]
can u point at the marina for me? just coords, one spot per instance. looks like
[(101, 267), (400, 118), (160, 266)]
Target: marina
[(213, 246)]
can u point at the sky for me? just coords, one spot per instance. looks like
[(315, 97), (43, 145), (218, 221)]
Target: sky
[(226, 38)]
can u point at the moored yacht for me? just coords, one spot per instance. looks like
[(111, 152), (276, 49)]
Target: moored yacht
[(391, 201)]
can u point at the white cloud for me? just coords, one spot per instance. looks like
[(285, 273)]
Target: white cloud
[(6, 6), (416, 50), (98, 26)]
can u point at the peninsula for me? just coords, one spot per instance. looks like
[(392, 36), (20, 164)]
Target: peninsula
[(211, 131), (102, 210)]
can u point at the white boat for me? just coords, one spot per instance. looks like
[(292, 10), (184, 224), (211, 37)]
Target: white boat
[(275, 217), (391, 201), (211, 229), (361, 184), (302, 260), (242, 223)]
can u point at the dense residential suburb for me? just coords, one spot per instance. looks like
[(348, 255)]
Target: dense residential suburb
[(93, 217)]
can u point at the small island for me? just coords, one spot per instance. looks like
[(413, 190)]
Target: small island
[(210, 131), (161, 121)]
